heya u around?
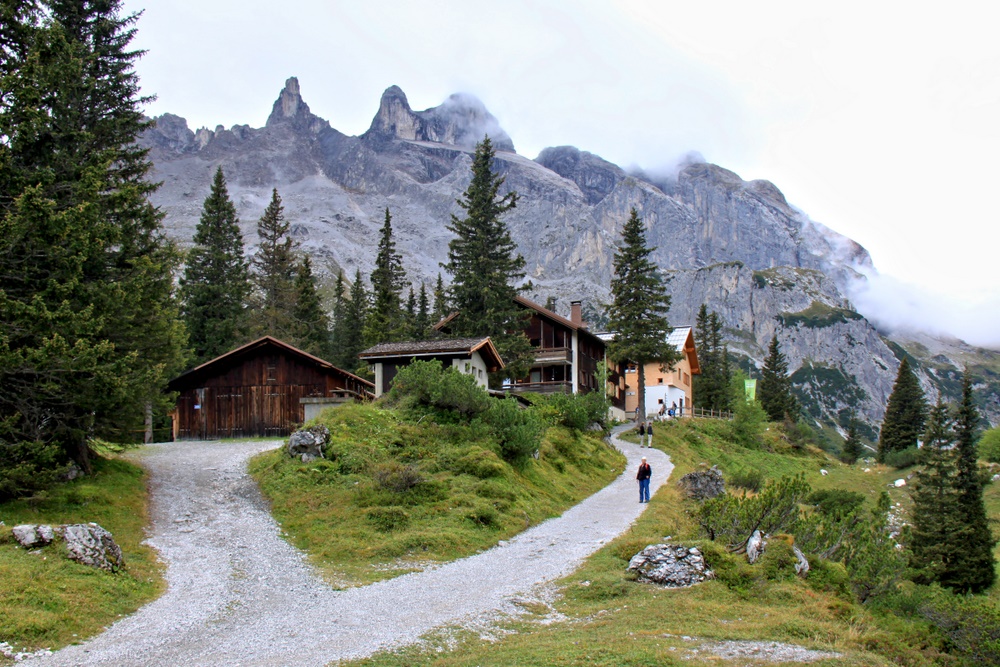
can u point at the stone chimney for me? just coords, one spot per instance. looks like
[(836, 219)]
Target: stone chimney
[(576, 314)]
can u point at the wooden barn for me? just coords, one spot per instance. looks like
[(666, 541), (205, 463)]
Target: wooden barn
[(259, 389)]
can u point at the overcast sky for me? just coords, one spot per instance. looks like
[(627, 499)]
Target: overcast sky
[(880, 120)]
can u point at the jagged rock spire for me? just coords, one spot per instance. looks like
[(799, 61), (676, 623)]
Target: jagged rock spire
[(291, 108)]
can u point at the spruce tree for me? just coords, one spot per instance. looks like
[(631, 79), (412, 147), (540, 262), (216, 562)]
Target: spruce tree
[(386, 321), (638, 310), (975, 569), (311, 325), (905, 412), (216, 283), (422, 323), (937, 526), (441, 306), (89, 324), (352, 332), (775, 387), (711, 386), (852, 450), (273, 274), (486, 268)]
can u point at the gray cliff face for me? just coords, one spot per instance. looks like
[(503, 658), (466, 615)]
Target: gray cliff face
[(567, 223)]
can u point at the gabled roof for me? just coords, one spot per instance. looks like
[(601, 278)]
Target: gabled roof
[(442, 346), (254, 346), (680, 338)]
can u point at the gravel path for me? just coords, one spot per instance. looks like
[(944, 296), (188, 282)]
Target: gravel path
[(238, 594)]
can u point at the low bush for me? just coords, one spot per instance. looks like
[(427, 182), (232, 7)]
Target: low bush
[(989, 445), (388, 519), (517, 430), (428, 384), (396, 477), (579, 411), (904, 458), (750, 479), (732, 519), (479, 462), (28, 467), (836, 503)]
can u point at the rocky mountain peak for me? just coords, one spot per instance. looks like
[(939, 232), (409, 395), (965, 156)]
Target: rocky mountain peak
[(395, 119), (291, 108)]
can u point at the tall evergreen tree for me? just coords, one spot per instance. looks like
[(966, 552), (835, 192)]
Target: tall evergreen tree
[(311, 325), (355, 315), (975, 571), (775, 387), (937, 525), (486, 268), (386, 319), (638, 310), (338, 335), (273, 274), (711, 386), (89, 328), (441, 306), (422, 323), (216, 283), (905, 413), (852, 450)]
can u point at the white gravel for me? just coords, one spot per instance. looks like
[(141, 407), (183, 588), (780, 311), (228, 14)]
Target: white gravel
[(238, 594)]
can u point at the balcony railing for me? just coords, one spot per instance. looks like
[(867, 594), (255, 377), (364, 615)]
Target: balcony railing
[(559, 387), (553, 356)]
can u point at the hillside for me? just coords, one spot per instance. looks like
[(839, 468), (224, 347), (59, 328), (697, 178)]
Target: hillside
[(739, 246)]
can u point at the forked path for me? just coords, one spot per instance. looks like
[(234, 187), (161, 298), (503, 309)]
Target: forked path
[(238, 594)]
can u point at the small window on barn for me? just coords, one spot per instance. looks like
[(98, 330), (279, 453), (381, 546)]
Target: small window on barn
[(271, 371)]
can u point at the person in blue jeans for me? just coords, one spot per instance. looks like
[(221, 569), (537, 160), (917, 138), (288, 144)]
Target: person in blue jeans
[(645, 472)]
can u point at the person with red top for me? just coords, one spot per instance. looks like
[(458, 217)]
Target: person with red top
[(645, 472)]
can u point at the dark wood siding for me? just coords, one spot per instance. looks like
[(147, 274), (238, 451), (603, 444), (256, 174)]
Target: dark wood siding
[(256, 393)]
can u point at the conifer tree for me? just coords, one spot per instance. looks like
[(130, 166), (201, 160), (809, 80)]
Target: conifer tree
[(852, 450), (775, 388), (638, 311), (89, 324), (905, 412), (711, 386), (486, 268), (422, 324), (937, 525), (311, 325), (410, 315), (273, 273), (216, 283), (441, 306), (338, 323), (975, 569), (355, 315), (386, 319)]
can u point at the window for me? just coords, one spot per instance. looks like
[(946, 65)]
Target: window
[(659, 380), (467, 366)]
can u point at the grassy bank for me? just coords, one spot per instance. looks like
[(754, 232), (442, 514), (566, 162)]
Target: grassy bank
[(49, 601), (602, 617), (397, 492)]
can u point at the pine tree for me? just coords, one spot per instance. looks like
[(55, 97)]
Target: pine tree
[(311, 325), (904, 414), (936, 524), (441, 306), (711, 386), (975, 570), (775, 387), (355, 315), (216, 283), (486, 267), (338, 325), (273, 274), (852, 450), (422, 323), (89, 323), (638, 311), (386, 321)]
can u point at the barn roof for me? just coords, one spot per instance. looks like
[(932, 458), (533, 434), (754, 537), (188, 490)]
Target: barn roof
[(208, 368), (442, 346)]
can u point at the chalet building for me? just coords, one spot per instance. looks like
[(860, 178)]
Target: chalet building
[(473, 356), (264, 388), (664, 389), (567, 354)]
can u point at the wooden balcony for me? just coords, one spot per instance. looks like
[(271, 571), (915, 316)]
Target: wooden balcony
[(553, 356), (540, 387)]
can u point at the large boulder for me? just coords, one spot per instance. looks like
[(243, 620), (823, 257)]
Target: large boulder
[(670, 565), (703, 484), (89, 544), (30, 535), (308, 443)]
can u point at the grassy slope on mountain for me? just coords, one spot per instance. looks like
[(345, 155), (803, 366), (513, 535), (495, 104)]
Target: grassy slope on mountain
[(47, 600), (603, 617), (396, 493)]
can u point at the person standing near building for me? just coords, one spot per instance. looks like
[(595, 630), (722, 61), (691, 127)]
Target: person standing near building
[(649, 434), (644, 474), (642, 434)]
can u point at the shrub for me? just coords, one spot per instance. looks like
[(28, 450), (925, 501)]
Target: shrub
[(483, 514), (748, 416), (732, 519), (989, 445), (903, 458), (429, 384), (778, 560), (28, 467), (481, 463), (397, 477), (836, 503), (579, 411), (517, 430), (746, 478), (388, 519)]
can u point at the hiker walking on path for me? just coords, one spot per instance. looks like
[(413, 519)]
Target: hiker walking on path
[(642, 434), (645, 473), (649, 434)]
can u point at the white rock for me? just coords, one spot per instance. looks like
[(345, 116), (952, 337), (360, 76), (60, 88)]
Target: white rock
[(824, 472), (899, 482)]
